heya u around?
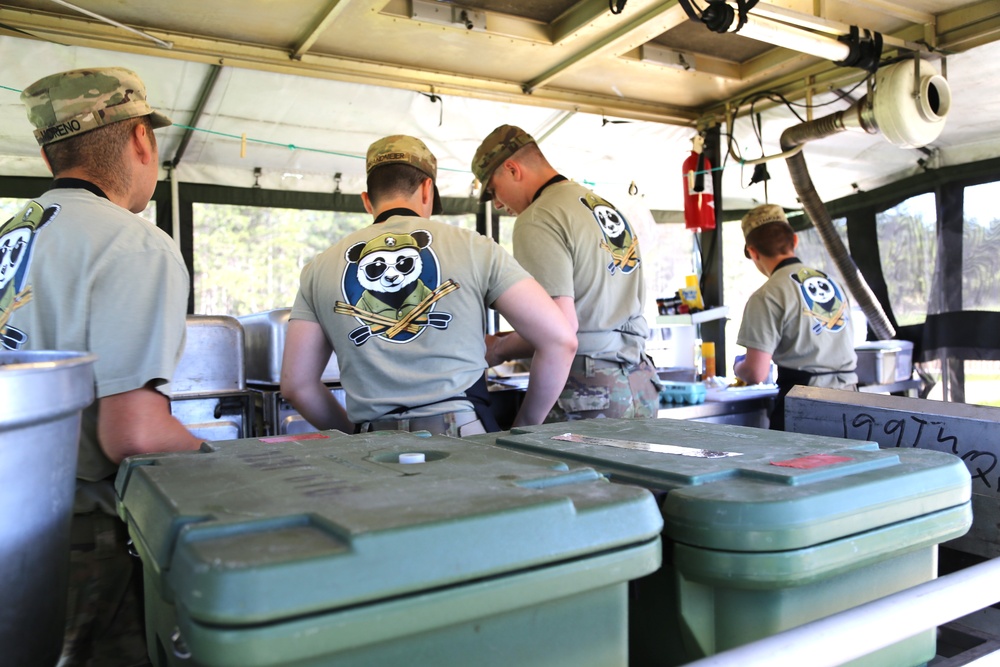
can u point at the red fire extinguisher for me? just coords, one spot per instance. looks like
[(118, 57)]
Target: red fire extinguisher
[(699, 200)]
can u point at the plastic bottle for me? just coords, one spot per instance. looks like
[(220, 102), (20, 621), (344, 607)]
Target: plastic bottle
[(708, 358), (691, 294)]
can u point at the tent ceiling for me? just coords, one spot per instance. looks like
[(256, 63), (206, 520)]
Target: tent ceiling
[(311, 83)]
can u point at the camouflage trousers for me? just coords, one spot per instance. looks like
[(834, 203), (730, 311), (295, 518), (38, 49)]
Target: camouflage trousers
[(104, 616), (598, 388)]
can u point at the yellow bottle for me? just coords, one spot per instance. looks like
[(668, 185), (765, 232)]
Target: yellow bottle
[(708, 359)]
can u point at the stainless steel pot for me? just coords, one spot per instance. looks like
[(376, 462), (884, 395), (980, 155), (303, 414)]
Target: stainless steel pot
[(42, 395)]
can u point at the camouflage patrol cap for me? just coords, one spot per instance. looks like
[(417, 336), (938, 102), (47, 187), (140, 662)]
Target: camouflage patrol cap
[(68, 104), (762, 215), (401, 149), (498, 145)]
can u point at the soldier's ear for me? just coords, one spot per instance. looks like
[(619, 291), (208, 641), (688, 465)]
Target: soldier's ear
[(143, 143), (354, 252), (514, 168), (45, 157)]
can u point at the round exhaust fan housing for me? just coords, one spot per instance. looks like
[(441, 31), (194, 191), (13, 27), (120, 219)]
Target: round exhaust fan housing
[(908, 111)]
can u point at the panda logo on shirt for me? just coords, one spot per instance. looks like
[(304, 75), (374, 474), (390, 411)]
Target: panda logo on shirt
[(17, 240), (391, 283), (619, 240), (823, 298)]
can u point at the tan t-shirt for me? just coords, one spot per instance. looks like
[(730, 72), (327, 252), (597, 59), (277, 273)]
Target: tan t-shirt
[(406, 337), (105, 281), (801, 317), (577, 244)]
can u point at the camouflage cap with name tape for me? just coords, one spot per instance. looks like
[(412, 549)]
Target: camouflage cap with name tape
[(68, 104), (498, 145), (402, 149), (762, 215)]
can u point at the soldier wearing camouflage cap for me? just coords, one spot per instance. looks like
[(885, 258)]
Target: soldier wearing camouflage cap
[(403, 304), (93, 276), (70, 103), (401, 149), (799, 318), (501, 144), (586, 255)]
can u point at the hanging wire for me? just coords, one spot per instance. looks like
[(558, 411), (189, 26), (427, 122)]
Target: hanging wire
[(434, 97), (757, 126), (293, 147)]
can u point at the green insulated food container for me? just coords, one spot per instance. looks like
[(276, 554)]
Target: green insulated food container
[(765, 530), (384, 549)]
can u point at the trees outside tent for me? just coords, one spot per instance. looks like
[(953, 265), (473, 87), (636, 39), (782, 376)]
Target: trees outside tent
[(247, 259)]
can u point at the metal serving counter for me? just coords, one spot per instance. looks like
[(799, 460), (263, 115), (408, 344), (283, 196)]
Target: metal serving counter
[(743, 407), (753, 408), (751, 411), (899, 388)]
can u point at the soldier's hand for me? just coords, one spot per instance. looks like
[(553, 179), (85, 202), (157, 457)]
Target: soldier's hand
[(493, 355)]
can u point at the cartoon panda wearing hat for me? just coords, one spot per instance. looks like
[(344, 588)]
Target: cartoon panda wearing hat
[(17, 240), (619, 241), (823, 298), (391, 282)]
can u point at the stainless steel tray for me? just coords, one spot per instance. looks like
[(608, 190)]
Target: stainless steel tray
[(213, 360), (264, 339)]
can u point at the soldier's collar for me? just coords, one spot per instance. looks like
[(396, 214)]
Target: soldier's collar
[(78, 183), (385, 215), (552, 181), (787, 262)]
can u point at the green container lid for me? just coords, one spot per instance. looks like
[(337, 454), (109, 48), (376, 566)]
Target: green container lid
[(260, 530), (744, 489)]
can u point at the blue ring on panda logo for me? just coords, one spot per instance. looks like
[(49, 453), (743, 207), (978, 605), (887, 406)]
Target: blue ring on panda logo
[(811, 303), (627, 227), (430, 275)]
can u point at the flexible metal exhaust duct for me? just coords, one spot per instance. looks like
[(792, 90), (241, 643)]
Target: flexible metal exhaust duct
[(854, 281), (908, 106)]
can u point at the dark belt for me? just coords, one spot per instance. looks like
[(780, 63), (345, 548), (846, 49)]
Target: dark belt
[(789, 377)]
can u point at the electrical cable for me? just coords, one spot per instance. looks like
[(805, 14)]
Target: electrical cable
[(773, 96)]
